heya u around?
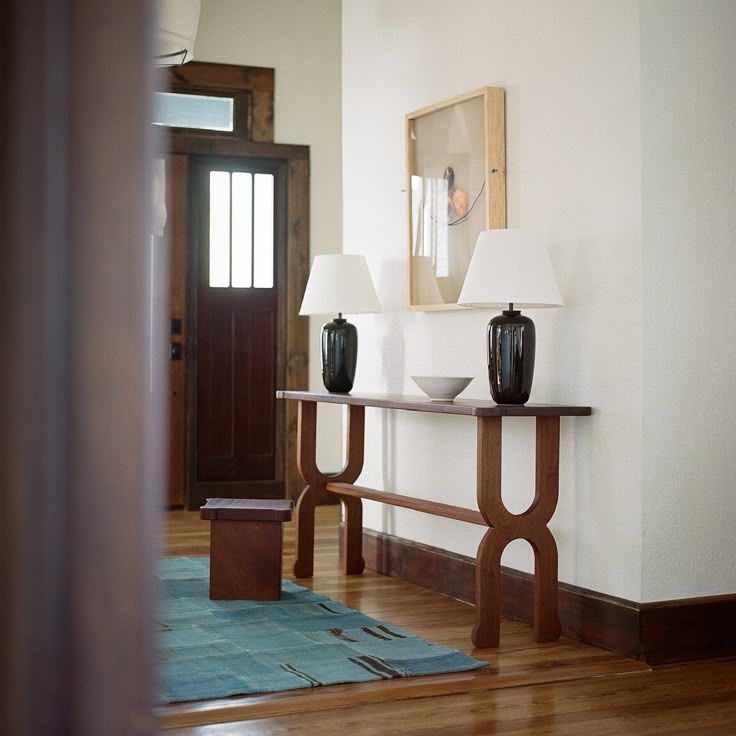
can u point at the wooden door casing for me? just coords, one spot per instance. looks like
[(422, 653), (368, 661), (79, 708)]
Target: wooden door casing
[(177, 167), (252, 137)]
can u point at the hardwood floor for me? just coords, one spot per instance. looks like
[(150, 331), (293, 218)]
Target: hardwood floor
[(543, 689)]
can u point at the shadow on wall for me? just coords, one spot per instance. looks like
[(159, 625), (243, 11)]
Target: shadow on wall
[(578, 275), (393, 289)]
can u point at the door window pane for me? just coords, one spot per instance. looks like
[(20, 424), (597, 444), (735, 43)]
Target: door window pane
[(193, 111), (219, 228), (263, 231), (242, 246)]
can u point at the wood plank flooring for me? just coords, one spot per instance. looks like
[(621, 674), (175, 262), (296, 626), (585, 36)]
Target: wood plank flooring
[(560, 688)]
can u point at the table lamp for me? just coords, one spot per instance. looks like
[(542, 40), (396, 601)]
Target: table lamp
[(342, 284), (510, 268)]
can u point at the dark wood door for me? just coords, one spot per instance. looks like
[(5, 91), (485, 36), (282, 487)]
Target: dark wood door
[(238, 207)]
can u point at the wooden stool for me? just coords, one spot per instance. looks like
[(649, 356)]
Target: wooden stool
[(245, 547)]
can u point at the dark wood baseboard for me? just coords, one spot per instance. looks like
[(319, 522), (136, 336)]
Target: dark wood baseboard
[(689, 628), (659, 633)]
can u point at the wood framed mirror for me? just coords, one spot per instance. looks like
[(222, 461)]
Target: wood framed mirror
[(456, 187)]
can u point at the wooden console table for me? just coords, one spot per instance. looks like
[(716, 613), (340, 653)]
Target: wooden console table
[(503, 526)]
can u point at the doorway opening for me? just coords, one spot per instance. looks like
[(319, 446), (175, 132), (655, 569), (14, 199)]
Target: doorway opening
[(238, 228)]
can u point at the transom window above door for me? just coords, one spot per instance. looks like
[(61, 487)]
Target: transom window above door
[(202, 112), (241, 212)]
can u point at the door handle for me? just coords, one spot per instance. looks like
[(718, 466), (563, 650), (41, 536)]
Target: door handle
[(176, 351)]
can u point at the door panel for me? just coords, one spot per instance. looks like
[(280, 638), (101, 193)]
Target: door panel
[(236, 386), (237, 345)]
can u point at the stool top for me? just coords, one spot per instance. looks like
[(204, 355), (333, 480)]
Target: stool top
[(247, 509)]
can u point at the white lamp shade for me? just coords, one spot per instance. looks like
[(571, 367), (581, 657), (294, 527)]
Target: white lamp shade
[(510, 267), (339, 283), (176, 22)]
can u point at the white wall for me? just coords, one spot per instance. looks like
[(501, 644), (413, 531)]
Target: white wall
[(620, 129), (689, 225), (301, 41), (571, 74)]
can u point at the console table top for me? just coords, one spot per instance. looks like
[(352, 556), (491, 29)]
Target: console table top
[(468, 407)]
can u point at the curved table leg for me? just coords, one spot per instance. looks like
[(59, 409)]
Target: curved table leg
[(353, 536), (487, 628), (315, 489), (505, 527), (306, 461), (304, 542), (546, 620)]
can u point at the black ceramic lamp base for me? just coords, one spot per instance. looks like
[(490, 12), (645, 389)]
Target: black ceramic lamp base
[(511, 348), (339, 355)]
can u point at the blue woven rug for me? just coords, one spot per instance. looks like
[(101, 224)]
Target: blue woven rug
[(212, 649)]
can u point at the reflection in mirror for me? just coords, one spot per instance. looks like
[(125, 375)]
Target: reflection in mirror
[(456, 189), (425, 288)]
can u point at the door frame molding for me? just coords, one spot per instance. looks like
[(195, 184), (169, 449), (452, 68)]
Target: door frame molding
[(255, 140)]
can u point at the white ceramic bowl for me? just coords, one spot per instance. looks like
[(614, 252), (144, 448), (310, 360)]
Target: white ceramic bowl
[(441, 388)]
